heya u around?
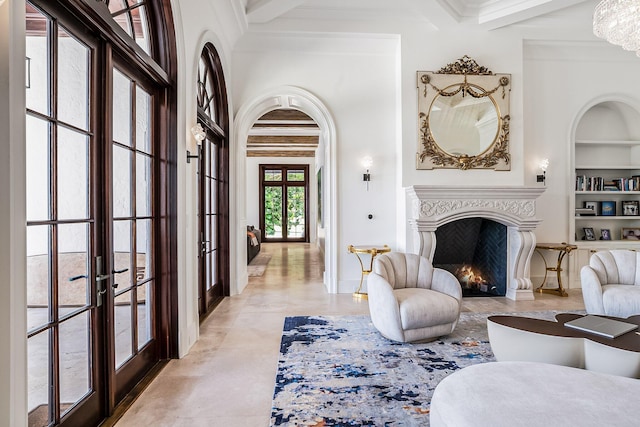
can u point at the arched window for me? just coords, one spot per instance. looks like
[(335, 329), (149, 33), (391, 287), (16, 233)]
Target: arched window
[(213, 182), (131, 15), (100, 172)]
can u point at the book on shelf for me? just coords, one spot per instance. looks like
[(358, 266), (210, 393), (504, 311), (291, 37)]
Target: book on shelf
[(627, 184), (598, 183)]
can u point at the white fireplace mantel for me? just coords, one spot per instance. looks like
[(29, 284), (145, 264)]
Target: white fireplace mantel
[(515, 207)]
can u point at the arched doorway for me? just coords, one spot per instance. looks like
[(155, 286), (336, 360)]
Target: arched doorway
[(100, 173), (290, 97)]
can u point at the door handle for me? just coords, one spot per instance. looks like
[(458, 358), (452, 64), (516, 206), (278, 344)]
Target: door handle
[(100, 289), (74, 278), (120, 271)]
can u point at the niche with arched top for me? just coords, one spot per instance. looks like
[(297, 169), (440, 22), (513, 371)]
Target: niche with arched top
[(607, 174)]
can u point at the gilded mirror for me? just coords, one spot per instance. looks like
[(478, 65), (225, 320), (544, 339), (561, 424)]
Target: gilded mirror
[(463, 117)]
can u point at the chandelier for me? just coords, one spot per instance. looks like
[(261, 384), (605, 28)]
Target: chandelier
[(618, 22)]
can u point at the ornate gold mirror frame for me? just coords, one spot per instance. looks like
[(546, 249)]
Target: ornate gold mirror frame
[(467, 78)]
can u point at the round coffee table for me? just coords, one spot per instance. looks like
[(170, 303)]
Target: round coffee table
[(519, 338)]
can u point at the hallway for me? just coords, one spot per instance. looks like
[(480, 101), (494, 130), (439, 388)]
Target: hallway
[(227, 379)]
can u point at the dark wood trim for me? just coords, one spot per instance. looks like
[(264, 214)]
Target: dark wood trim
[(167, 179), (280, 153), (284, 184), (96, 15), (107, 247)]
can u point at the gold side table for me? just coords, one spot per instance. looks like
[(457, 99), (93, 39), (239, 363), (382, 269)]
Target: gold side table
[(372, 250), (563, 249)]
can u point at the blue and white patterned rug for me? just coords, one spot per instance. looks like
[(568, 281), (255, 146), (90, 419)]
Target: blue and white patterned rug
[(339, 371)]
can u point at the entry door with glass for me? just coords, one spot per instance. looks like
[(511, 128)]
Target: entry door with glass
[(65, 336), (284, 200), (91, 279)]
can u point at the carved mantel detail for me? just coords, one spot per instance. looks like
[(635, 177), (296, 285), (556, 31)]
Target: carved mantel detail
[(515, 207), (428, 208)]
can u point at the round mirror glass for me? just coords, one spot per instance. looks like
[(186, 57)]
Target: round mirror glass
[(464, 125)]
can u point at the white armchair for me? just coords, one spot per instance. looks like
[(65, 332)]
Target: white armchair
[(410, 300), (611, 283)]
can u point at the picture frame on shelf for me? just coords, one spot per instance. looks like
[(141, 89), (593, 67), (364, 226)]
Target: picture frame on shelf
[(594, 206), (589, 234), (605, 234), (630, 234), (630, 207), (608, 208)]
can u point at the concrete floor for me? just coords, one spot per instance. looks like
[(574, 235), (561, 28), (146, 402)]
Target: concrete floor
[(228, 377)]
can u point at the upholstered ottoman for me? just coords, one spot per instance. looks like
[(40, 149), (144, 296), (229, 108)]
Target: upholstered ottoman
[(528, 394)]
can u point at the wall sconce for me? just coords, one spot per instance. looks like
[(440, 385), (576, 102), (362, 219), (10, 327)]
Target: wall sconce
[(366, 177), (198, 133), (544, 164), (191, 156)]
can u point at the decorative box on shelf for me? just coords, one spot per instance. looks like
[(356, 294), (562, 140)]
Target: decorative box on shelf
[(608, 208)]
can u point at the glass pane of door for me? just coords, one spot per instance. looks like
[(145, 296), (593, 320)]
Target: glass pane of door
[(295, 212), (273, 211), (122, 291), (210, 288), (132, 227)]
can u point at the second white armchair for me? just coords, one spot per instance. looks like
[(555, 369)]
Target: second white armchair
[(410, 300), (611, 283)]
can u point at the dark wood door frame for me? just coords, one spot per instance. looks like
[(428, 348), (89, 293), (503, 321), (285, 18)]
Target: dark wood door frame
[(284, 183)]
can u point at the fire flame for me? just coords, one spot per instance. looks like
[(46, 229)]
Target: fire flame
[(469, 278)]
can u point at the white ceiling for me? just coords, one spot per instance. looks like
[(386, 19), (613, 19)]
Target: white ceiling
[(489, 14)]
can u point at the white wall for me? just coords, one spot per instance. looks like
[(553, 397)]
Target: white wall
[(198, 22)]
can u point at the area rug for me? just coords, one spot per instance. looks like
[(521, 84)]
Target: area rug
[(339, 371), (258, 265)]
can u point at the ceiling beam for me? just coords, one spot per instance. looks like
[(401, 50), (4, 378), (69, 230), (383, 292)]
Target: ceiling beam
[(439, 13), (280, 153), (507, 12), (266, 10)]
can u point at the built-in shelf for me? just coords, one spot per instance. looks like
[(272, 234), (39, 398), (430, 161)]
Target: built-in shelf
[(606, 217), (608, 192), (609, 143), (603, 167), (606, 163)]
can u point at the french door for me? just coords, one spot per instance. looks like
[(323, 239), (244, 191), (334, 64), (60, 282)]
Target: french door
[(213, 182), (130, 163), (91, 222), (284, 203), (211, 256)]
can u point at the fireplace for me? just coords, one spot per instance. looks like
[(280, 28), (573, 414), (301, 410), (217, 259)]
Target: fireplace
[(511, 208), (475, 251)]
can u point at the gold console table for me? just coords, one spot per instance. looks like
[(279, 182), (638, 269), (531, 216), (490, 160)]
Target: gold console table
[(371, 250), (563, 249)]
